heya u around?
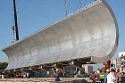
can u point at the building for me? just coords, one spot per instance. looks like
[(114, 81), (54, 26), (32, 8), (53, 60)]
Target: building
[(121, 54), (114, 62), (88, 69)]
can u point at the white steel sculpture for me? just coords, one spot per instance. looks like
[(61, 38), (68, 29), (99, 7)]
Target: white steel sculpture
[(89, 35)]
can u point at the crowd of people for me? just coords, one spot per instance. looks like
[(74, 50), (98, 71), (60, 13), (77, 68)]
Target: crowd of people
[(111, 76)]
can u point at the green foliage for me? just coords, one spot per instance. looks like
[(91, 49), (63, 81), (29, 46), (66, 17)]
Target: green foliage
[(3, 65)]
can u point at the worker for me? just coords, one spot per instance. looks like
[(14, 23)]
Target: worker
[(111, 76), (57, 75), (107, 72), (101, 76), (120, 76)]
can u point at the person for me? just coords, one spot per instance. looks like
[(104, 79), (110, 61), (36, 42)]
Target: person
[(101, 76), (120, 76), (57, 75), (105, 78), (111, 77)]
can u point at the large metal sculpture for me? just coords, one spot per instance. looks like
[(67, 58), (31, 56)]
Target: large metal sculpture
[(89, 35)]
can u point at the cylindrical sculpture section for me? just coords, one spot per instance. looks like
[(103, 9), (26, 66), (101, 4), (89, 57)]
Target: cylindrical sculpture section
[(90, 32)]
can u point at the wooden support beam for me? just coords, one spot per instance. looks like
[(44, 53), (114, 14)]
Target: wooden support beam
[(58, 65), (76, 63), (84, 60), (45, 68)]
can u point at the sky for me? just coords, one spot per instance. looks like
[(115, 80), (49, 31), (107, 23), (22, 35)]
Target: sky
[(36, 14)]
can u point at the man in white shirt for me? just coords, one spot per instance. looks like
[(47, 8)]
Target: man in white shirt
[(111, 77)]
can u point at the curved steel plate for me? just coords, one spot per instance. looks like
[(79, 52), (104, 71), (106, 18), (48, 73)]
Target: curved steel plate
[(89, 32)]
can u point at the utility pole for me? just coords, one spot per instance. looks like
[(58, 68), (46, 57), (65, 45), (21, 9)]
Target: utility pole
[(15, 21)]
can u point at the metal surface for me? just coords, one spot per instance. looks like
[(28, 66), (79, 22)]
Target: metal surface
[(89, 32), (15, 21)]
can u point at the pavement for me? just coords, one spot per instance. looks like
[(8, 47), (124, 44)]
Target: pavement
[(45, 80)]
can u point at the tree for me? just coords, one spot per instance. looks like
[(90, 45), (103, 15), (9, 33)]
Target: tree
[(3, 65)]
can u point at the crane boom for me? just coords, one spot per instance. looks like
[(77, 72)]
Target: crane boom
[(15, 21)]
